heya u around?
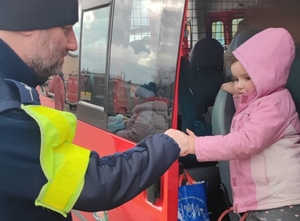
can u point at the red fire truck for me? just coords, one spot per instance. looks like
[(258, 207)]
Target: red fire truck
[(121, 97)]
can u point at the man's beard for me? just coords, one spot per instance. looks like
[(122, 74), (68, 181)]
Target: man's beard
[(44, 64), (42, 70)]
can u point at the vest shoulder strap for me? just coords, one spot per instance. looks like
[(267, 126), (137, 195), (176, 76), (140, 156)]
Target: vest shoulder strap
[(14, 93)]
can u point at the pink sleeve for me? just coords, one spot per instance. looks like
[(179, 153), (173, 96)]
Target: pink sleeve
[(265, 126)]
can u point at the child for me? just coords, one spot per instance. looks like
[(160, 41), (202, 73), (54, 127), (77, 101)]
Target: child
[(263, 145)]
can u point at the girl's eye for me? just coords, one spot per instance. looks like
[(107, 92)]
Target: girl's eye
[(248, 78), (235, 80)]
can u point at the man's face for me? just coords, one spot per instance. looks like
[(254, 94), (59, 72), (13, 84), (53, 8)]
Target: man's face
[(47, 55)]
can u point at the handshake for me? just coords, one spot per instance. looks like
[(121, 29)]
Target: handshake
[(185, 142)]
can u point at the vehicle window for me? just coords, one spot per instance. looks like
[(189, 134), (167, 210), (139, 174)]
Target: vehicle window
[(93, 56), (143, 59), (139, 18), (218, 32)]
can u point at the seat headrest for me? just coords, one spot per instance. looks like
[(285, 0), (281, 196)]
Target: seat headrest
[(207, 54), (294, 80)]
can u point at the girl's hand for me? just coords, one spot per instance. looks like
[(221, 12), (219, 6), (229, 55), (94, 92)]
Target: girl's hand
[(191, 140), (229, 87)]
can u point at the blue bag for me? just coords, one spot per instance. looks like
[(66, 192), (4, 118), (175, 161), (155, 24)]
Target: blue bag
[(192, 200)]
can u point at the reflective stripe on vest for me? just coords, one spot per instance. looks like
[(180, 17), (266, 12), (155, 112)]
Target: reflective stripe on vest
[(63, 163)]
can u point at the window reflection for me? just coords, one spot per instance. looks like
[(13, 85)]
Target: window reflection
[(144, 48), (121, 96), (93, 56), (149, 115)]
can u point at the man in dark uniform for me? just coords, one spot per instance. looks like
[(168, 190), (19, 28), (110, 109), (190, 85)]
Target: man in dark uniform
[(35, 185)]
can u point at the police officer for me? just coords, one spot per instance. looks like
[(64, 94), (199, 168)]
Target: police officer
[(43, 174)]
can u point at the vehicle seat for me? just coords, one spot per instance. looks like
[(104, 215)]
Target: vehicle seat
[(222, 115), (224, 109), (294, 80), (185, 98), (199, 84)]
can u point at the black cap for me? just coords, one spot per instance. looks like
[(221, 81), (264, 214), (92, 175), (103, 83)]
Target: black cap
[(27, 15)]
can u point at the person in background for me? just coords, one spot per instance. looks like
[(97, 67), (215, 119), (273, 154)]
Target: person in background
[(149, 116), (44, 175)]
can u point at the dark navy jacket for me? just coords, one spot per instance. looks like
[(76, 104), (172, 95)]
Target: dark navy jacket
[(109, 181)]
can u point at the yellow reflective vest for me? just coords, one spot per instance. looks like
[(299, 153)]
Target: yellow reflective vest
[(63, 163)]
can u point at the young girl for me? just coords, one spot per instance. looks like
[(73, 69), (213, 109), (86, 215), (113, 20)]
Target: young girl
[(263, 145)]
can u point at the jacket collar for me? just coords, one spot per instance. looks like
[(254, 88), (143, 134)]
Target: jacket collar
[(13, 67), (244, 101)]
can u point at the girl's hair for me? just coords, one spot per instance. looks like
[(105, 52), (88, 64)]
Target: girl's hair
[(229, 58)]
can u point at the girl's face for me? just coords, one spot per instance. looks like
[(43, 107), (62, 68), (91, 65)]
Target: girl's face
[(241, 79)]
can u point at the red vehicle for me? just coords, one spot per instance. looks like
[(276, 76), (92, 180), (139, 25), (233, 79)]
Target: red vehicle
[(121, 97), (50, 88), (72, 91), (107, 28)]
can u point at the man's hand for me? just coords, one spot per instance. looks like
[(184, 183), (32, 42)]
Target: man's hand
[(181, 139)]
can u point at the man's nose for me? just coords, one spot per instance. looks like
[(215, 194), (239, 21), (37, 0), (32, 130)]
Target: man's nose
[(72, 42)]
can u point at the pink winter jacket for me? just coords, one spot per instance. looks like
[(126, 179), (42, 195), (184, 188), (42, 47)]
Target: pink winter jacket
[(263, 145)]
